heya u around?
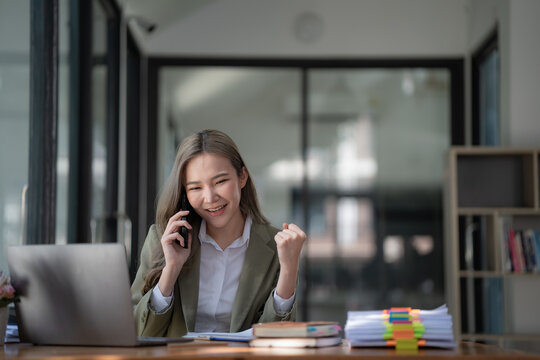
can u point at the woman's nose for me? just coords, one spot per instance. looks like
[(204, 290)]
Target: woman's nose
[(210, 195)]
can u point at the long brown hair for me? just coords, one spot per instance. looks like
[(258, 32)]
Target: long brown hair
[(205, 141)]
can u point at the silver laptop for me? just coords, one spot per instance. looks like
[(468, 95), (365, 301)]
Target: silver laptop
[(77, 294)]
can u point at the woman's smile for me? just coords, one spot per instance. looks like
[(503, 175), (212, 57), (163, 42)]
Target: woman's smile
[(217, 211)]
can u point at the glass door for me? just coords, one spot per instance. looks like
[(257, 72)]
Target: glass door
[(377, 139)]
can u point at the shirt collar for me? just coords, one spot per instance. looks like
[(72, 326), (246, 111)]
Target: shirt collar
[(241, 241)]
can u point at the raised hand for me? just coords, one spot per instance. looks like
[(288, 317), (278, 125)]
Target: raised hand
[(289, 242), (175, 255)]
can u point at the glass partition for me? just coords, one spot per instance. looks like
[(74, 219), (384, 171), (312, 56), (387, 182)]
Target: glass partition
[(62, 163), (14, 120), (377, 139), (100, 99)]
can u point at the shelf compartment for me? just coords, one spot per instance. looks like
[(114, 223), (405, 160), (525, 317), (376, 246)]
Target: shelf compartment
[(495, 181), (482, 305), (478, 244), (537, 180)]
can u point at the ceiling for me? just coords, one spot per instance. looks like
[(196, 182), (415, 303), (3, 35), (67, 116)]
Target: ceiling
[(160, 13)]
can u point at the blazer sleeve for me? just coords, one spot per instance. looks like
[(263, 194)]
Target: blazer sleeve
[(148, 322), (270, 314)]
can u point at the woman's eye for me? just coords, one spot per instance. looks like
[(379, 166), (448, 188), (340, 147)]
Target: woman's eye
[(222, 181)]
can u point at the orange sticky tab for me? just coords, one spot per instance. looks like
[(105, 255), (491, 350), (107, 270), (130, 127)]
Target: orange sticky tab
[(403, 334), (400, 309)]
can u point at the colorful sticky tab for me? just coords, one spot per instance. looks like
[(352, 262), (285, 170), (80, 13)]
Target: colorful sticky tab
[(406, 344), (400, 309), (403, 334), (404, 328)]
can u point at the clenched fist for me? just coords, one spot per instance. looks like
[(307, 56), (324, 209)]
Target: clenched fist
[(289, 243)]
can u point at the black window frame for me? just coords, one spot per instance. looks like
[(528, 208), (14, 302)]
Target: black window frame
[(490, 44), (134, 151), (41, 195), (80, 133)]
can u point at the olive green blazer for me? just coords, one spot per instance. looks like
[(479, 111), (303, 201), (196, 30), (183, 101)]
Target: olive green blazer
[(254, 300)]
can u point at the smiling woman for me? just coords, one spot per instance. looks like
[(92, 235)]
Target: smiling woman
[(237, 269), (214, 190)]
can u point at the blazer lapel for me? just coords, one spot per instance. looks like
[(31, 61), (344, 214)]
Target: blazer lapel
[(189, 283), (256, 262)]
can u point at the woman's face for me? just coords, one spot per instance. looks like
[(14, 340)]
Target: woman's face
[(214, 189)]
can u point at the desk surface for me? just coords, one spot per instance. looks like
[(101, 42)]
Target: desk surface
[(241, 351)]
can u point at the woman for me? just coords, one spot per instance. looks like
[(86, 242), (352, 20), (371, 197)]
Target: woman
[(237, 270)]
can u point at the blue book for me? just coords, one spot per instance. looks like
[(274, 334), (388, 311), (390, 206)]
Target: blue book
[(537, 249)]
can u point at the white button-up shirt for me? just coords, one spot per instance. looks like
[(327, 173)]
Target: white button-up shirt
[(220, 274), (219, 278)]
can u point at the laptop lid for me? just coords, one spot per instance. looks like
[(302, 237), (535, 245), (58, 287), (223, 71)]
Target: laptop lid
[(77, 294)]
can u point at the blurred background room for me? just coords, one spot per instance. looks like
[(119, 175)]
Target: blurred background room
[(344, 111)]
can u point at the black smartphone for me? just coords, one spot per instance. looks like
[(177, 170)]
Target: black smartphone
[(184, 205)]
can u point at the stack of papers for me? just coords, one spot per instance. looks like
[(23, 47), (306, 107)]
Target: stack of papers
[(242, 336), (12, 334), (403, 328)]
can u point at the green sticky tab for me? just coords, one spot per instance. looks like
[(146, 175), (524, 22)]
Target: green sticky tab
[(403, 327), (406, 344)]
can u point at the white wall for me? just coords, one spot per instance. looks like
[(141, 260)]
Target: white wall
[(518, 30), (524, 78), (346, 28)]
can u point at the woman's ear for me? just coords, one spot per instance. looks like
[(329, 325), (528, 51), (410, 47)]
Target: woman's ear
[(243, 177)]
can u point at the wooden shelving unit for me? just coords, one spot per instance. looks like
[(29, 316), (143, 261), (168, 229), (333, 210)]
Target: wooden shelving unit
[(487, 189)]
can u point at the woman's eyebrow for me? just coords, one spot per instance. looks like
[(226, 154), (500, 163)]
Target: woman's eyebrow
[(221, 174)]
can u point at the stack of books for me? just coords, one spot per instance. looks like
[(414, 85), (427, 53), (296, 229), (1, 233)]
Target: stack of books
[(296, 334), (402, 328), (520, 251)]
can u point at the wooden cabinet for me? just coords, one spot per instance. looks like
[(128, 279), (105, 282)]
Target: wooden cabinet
[(490, 191)]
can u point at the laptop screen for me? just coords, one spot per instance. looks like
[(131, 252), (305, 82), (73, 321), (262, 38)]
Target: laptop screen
[(77, 294)]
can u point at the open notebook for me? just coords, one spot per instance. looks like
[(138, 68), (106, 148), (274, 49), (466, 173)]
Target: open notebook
[(77, 294)]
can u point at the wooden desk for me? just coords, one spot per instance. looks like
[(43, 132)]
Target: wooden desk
[(241, 351)]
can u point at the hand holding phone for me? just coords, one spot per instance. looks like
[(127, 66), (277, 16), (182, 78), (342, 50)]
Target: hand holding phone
[(184, 205)]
